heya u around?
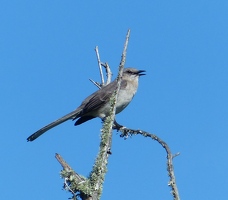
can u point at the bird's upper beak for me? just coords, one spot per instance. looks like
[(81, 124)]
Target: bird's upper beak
[(140, 72)]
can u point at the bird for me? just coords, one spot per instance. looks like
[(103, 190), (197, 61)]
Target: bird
[(98, 103)]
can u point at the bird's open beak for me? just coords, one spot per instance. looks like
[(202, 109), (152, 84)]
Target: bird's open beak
[(140, 72)]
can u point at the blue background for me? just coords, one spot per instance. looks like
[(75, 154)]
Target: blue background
[(46, 58)]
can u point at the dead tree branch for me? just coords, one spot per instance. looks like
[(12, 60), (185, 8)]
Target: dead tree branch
[(107, 69), (91, 188), (99, 65), (125, 132)]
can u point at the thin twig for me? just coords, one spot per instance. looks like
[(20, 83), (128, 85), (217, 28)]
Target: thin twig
[(67, 186), (99, 65), (108, 72), (95, 83)]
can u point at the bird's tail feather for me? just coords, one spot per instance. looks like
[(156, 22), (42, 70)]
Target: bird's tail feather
[(72, 115)]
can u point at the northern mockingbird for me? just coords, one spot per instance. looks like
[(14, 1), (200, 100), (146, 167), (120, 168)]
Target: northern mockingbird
[(98, 103)]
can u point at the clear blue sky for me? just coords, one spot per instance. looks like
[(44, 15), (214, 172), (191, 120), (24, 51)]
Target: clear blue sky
[(46, 58)]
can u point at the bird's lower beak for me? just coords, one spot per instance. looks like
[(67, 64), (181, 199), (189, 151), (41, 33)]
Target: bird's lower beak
[(140, 72)]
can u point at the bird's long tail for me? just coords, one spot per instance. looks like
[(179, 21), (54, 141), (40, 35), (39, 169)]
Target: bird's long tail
[(72, 115)]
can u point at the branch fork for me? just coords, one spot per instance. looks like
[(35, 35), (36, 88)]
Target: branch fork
[(91, 188)]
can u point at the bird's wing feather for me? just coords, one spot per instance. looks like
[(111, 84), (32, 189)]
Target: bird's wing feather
[(97, 99), (103, 95)]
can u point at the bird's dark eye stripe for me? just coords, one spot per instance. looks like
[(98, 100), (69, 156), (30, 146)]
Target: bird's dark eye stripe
[(130, 72)]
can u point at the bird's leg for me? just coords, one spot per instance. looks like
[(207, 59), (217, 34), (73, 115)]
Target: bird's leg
[(116, 125)]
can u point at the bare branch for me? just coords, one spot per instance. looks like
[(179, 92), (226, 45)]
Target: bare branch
[(108, 72), (73, 182), (95, 83), (91, 188), (172, 182), (107, 69), (100, 168), (123, 57), (67, 167), (99, 65)]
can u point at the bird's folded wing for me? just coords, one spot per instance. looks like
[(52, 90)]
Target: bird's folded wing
[(99, 98)]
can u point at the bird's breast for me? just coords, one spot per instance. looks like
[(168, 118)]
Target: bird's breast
[(124, 98), (126, 93)]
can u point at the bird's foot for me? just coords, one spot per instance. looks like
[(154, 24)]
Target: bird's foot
[(117, 126)]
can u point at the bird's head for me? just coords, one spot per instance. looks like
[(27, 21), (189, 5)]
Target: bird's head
[(133, 73)]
